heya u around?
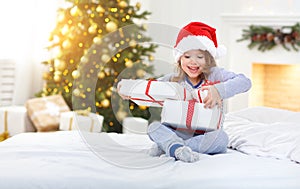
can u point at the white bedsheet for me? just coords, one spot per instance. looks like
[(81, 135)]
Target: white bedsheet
[(65, 160), (267, 132)]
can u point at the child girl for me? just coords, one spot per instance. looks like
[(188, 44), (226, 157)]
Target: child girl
[(195, 52)]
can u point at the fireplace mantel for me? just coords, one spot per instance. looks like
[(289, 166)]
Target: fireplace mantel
[(240, 58)]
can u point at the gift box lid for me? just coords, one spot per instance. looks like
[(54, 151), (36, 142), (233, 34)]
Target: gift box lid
[(160, 89)]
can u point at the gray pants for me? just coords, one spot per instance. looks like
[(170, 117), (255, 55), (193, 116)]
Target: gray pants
[(209, 143)]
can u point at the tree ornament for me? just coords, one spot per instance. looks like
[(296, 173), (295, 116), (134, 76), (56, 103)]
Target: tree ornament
[(57, 52), (143, 107), (66, 44), (64, 30), (100, 9), (108, 93), (57, 78), (129, 63), (76, 92), (151, 58), (61, 18), (111, 26), (46, 76), (121, 115), (75, 11), (105, 58), (140, 73), (123, 4), (97, 40), (132, 43), (57, 72), (75, 74), (59, 65), (84, 59), (138, 5), (105, 103), (92, 29), (101, 75)]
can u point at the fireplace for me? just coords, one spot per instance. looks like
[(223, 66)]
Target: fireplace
[(282, 66), (275, 85)]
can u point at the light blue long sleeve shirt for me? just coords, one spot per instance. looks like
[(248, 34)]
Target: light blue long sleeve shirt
[(230, 82)]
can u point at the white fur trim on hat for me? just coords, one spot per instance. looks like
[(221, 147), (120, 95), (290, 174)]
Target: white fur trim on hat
[(193, 42)]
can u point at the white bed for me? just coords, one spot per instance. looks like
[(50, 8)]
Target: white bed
[(72, 159)]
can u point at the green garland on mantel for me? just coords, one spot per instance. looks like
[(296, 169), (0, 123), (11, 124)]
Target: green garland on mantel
[(266, 37)]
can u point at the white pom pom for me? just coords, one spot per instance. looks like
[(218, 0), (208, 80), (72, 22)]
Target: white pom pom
[(221, 51)]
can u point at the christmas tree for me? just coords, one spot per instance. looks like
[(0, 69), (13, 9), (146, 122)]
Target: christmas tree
[(95, 44)]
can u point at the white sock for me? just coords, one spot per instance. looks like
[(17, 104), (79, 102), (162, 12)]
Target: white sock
[(185, 153), (155, 150)]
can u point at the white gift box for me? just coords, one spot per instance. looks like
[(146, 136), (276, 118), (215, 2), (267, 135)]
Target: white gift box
[(191, 115), (151, 92), (15, 120), (73, 121), (135, 125)]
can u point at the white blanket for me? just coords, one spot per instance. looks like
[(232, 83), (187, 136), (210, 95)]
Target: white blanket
[(265, 132), (71, 160)]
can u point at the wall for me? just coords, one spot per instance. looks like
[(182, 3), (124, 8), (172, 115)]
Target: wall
[(24, 36)]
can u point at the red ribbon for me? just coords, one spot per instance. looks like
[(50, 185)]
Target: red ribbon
[(190, 113), (199, 96), (207, 83), (147, 94), (189, 117)]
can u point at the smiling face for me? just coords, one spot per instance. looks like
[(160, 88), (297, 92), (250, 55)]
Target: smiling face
[(193, 63)]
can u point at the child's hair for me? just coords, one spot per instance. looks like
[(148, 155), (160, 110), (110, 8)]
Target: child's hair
[(209, 63)]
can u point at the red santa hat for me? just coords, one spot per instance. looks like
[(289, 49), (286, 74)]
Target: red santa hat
[(197, 35)]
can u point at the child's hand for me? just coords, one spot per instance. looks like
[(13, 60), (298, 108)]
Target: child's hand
[(122, 96), (213, 97)]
